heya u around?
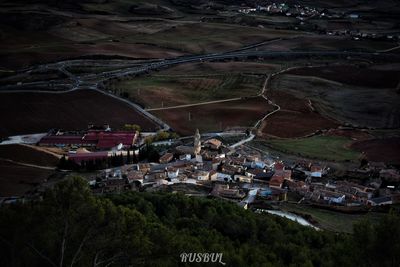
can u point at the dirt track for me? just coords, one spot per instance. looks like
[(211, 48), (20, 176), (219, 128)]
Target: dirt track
[(215, 117)]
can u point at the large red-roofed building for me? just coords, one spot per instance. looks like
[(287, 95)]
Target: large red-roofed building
[(98, 139)]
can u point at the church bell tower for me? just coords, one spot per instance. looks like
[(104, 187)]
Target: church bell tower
[(197, 143)]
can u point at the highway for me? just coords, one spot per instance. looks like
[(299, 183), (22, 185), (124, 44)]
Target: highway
[(131, 68)]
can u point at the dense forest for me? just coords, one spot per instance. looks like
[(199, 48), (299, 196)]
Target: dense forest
[(72, 227)]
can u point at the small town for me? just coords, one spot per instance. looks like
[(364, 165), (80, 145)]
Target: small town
[(303, 14), (168, 133), (114, 162)]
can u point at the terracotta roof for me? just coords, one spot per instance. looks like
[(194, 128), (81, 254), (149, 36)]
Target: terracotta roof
[(316, 168), (214, 142), (276, 180), (279, 166), (166, 157), (135, 175)]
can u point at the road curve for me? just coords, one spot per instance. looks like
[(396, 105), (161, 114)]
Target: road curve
[(96, 81)]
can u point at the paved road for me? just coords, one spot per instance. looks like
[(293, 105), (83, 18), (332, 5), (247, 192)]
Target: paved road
[(146, 66), (164, 126), (133, 68)]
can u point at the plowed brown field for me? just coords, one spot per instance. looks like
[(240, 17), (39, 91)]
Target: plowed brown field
[(24, 113)]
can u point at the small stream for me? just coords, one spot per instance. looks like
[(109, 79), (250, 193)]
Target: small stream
[(290, 216)]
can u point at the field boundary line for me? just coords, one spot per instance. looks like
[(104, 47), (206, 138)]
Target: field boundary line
[(196, 104)]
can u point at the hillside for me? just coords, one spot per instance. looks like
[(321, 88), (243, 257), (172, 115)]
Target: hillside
[(71, 226)]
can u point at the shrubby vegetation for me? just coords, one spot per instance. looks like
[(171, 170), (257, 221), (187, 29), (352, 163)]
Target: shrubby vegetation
[(160, 136), (99, 164), (132, 127), (72, 227)]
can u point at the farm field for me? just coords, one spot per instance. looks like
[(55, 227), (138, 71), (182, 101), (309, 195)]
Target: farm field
[(24, 113), (359, 106), (209, 37), (48, 38), (354, 134), (215, 117), (14, 59), (163, 91), (295, 119), (323, 42), (26, 154), (331, 148), (208, 68), (359, 76), (37, 38), (380, 150), (15, 180)]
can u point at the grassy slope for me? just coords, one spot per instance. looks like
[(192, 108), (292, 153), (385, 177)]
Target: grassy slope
[(321, 147)]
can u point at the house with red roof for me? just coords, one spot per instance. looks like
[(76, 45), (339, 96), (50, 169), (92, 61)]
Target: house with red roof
[(280, 175)]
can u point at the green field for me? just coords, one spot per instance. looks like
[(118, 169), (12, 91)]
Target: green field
[(158, 91), (331, 220), (319, 147)]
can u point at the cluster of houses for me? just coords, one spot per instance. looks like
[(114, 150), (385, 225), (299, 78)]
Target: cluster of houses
[(207, 163), (223, 169), (303, 13), (229, 173), (358, 35), (382, 189), (283, 8), (233, 173)]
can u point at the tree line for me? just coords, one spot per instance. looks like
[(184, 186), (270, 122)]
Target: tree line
[(98, 164), (72, 227)]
